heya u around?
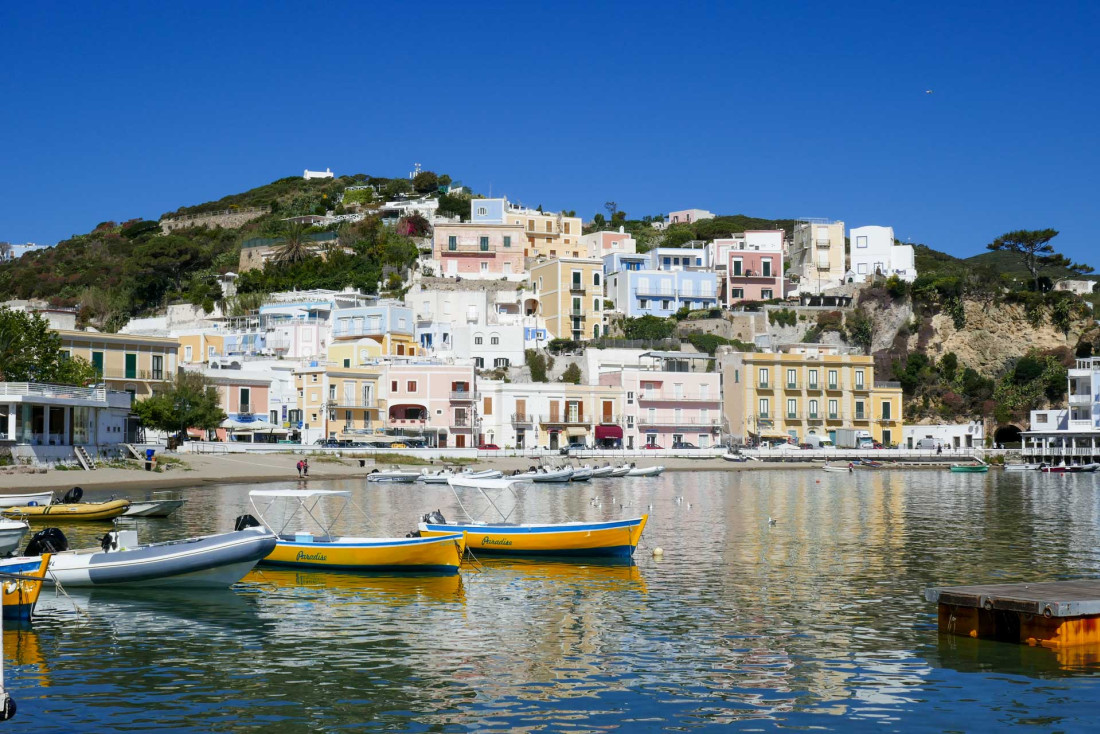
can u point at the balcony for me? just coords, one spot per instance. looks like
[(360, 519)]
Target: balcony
[(834, 416), (522, 419), (814, 416), (684, 422), (833, 386), (860, 416), (662, 396), (611, 420), (576, 287), (888, 384), (1076, 399), (813, 386), (796, 385), (763, 385), (345, 330), (569, 419), (147, 375), (463, 396), (577, 313), (244, 409), (861, 387), (460, 421), (352, 403), (468, 248), (792, 416), (886, 419)]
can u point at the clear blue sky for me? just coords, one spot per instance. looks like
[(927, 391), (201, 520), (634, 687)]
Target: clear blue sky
[(113, 111)]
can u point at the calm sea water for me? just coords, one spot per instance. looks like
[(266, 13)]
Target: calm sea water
[(815, 622)]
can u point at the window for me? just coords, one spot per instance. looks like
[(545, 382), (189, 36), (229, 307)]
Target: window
[(678, 390), (832, 380), (861, 241), (630, 397), (834, 410), (813, 379), (792, 379), (479, 362), (792, 408), (347, 362), (595, 279), (577, 307), (704, 391), (187, 354), (595, 304), (813, 409), (332, 392), (501, 362), (531, 225), (485, 267), (158, 367), (411, 386), (479, 339), (494, 340), (666, 305), (762, 373), (860, 414), (651, 416), (549, 226), (211, 351), (596, 331), (482, 211), (643, 303), (483, 244), (507, 240), (766, 266), (540, 283), (566, 227), (886, 406), (766, 294), (737, 266), (577, 280), (763, 406), (393, 386), (630, 421), (452, 243), (859, 379), (313, 377), (737, 293)]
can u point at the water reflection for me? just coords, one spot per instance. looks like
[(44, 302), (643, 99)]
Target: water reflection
[(815, 621)]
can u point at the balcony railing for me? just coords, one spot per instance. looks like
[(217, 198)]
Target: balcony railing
[(1075, 399), (460, 422), (468, 248), (352, 403), (244, 409), (576, 287), (887, 383), (814, 416), (575, 419), (34, 389), (153, 375), (813, 386), (792, 416), (763, 385), (611, 420), (885, 419), (673, 421), (861, 387), (577, 313), (522, 418), (349, 330), (794, 385), (860, 416), (834, 416), (833, 386), (662, 396), (462, 395)]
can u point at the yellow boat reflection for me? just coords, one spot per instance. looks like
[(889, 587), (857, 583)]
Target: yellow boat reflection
[(22, 647), (610, 575), (400, 589)]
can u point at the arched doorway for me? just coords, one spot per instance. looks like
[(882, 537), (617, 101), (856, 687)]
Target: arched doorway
[(1007, 436)]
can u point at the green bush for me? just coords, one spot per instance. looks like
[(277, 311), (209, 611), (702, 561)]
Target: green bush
[(537, 363), (783, 317), (648, 327), (572, 374)]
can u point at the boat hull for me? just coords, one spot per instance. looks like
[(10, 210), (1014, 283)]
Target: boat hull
[(616, 539), (77, 512), (21, 595), (970, 469), (603, 471), (18, 500), (649, 471), (213, 561), (159, 508), (12, 533), (436, 555), (552, 477)]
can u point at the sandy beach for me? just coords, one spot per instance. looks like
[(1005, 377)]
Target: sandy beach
[(199, 469)]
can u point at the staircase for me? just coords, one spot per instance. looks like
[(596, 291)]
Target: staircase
[(84, 458), (133, 452)]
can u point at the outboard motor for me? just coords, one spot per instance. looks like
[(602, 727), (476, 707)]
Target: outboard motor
[(434, 518), (47, 540), (73, 496), (246, 521), (109, 542), (412, 534)]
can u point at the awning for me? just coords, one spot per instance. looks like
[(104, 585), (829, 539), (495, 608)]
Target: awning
[(609, 432), (576, 431), (249, 426)]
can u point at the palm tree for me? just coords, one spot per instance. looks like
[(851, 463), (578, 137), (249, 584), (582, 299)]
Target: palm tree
[(295, 247)]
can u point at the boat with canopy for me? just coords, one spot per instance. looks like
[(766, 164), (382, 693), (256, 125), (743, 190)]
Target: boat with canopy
[(305, 538)]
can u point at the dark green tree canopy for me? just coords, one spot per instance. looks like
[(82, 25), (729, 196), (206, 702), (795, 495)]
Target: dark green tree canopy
[(1035, 252), (30, 351), (191, 401)]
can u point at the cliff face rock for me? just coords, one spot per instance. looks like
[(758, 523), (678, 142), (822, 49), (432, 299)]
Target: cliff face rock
[(992, 333)]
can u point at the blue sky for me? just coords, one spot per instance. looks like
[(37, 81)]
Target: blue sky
[(119, 110)]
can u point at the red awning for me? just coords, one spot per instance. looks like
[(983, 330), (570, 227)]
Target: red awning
[(609, 432)]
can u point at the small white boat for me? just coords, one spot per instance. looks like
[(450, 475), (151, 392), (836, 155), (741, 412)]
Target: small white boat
[(603, 471), (31, 498), (157, 504), (834, 468), (207, 562), (620, 471), (393, 475), (583, 474), (11, 535), (483, 474), (646, 471), (544, 475), (437, 477), (734, 457), (461, 482)]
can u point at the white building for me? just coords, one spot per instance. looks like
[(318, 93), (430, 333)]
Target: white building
[(874, 252), (947, 436), (327, 173), (1080, 287), (42, 423), (817, 254), (599, 244), (1070, 435)]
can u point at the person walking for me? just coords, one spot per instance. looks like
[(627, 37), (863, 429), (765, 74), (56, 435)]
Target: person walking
[(299, 468), (305, 468)]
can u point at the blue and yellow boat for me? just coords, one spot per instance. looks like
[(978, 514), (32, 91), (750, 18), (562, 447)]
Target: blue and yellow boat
[(614, 539), (440, 554), (23, 585)]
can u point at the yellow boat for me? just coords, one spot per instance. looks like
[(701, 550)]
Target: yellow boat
[(23, 585), (78, 511), (615, 539), (441, 554)]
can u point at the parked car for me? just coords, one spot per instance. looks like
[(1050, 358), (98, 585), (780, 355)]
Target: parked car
[(683, 445), (653, 446), (488, 447), (573, 447)]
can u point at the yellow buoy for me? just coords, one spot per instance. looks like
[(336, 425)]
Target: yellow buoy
[(657, 552)]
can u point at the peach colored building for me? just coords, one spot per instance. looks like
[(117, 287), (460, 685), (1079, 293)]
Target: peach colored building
[(599, 244), (433, 400), (479, 250)]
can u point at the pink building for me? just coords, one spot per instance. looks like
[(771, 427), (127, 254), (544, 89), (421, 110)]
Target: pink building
[(753, 266), (663, 408), (245, 402), (599, 244), (437, 401), (476, 250)]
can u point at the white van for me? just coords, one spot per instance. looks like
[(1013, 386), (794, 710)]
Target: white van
[(926, 444), (819, 442)]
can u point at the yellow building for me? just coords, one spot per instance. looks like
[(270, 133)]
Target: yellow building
[(570, 293), (197, 348), (807, 389), (548, 234), (336, 402), (126, 362)]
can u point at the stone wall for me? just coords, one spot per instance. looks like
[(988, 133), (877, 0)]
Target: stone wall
[(230, 219)]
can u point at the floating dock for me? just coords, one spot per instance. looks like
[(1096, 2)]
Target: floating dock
[(1055, 614)]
